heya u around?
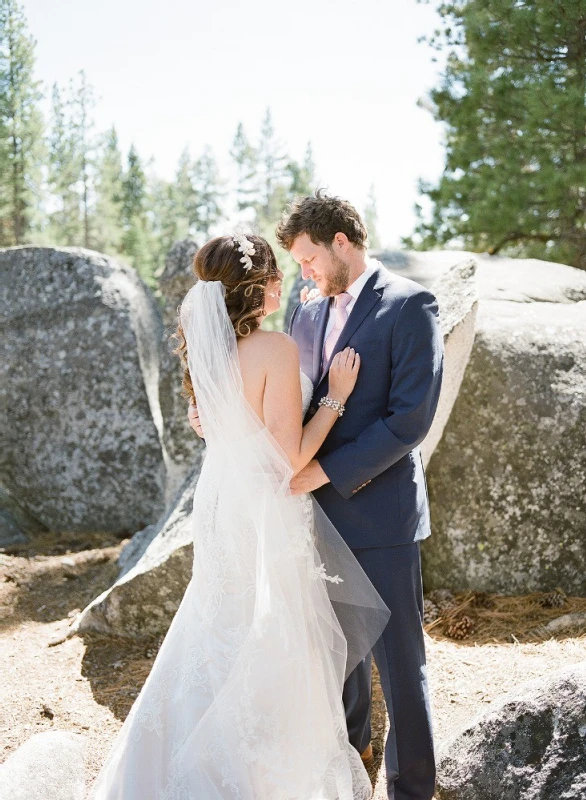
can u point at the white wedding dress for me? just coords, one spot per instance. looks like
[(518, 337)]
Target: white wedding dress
[(244, 697)]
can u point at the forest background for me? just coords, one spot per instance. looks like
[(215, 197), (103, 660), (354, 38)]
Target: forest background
[(509, 103)]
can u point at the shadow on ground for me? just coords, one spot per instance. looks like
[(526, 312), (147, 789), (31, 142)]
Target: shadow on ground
[(46, 588)]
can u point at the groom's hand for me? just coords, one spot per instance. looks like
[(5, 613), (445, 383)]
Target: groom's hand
[(310, 478)]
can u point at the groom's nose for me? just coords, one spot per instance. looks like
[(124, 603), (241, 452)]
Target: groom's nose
[(305, 272)]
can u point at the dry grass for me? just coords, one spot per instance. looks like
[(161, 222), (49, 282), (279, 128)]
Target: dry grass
[(502, 618), (88, 685)]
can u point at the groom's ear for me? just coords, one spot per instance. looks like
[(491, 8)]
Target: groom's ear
[(341, 242)]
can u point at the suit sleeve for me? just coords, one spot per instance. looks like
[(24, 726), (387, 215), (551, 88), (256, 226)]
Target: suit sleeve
[(416, 372), (292, 320)]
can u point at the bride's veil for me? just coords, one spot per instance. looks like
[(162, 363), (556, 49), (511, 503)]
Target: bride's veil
[(256, 476)]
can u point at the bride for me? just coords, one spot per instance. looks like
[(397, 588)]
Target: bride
[(244, 699)]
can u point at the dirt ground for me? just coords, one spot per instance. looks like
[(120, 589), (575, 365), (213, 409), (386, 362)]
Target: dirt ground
[(88, 684)]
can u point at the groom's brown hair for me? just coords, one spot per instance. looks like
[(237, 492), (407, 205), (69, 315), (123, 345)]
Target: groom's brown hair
[(321, 217)]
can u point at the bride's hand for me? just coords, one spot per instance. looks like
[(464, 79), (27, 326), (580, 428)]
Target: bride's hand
[(343, 374)]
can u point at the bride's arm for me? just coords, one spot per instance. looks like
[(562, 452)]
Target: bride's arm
[(282, 405)]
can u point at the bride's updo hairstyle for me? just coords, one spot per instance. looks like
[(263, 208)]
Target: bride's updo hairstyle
[(219, 260)]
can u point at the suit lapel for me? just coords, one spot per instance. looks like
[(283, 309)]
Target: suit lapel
[(367, 299), (319, 330)]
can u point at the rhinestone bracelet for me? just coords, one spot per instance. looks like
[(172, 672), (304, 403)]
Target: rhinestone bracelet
[(335, 404)]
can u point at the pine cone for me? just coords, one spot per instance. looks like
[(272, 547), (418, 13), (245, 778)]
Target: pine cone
[(555, 599), (458, 628), (431, 611), (443, 599)]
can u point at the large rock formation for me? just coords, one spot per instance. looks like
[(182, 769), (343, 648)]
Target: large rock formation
[(530, 745), (49, 766), (156, 568), (457, 297), (83, 427), (180, 441), (16, 524), (507, 481), (423, 267)]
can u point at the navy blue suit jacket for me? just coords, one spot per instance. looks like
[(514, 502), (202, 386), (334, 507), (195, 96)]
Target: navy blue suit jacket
[(377, 494)]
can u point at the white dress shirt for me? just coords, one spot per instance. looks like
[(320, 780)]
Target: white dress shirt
[(354, 289)]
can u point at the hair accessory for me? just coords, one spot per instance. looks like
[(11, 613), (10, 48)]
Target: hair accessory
[(246, 247)]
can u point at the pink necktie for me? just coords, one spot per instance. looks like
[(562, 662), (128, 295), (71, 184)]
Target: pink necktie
[(341, 303)]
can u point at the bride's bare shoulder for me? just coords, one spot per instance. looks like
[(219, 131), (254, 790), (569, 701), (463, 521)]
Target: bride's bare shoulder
[(270, 345)]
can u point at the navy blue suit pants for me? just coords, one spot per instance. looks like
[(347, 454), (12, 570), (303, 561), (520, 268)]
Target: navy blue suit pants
[(399, 654)]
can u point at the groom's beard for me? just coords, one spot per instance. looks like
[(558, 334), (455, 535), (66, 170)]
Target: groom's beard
[(338, 281)]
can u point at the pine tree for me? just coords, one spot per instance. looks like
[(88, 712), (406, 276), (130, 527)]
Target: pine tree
[(273, 185), (302, 176), (65, 218), (136, 239), (512, 99), (371, 219), (167, 226), (109, 196), (134, 193), (185, 195), (309, 167), (21, 129), (82, 104), (208, 191), (245, 158)]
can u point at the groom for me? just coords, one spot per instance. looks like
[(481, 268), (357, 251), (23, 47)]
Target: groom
[(368, 476)]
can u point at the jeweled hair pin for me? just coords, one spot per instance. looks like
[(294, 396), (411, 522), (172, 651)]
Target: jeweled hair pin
[(246, 247)]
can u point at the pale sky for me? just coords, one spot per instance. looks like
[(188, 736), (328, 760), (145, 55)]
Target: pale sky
[(346, 75)]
